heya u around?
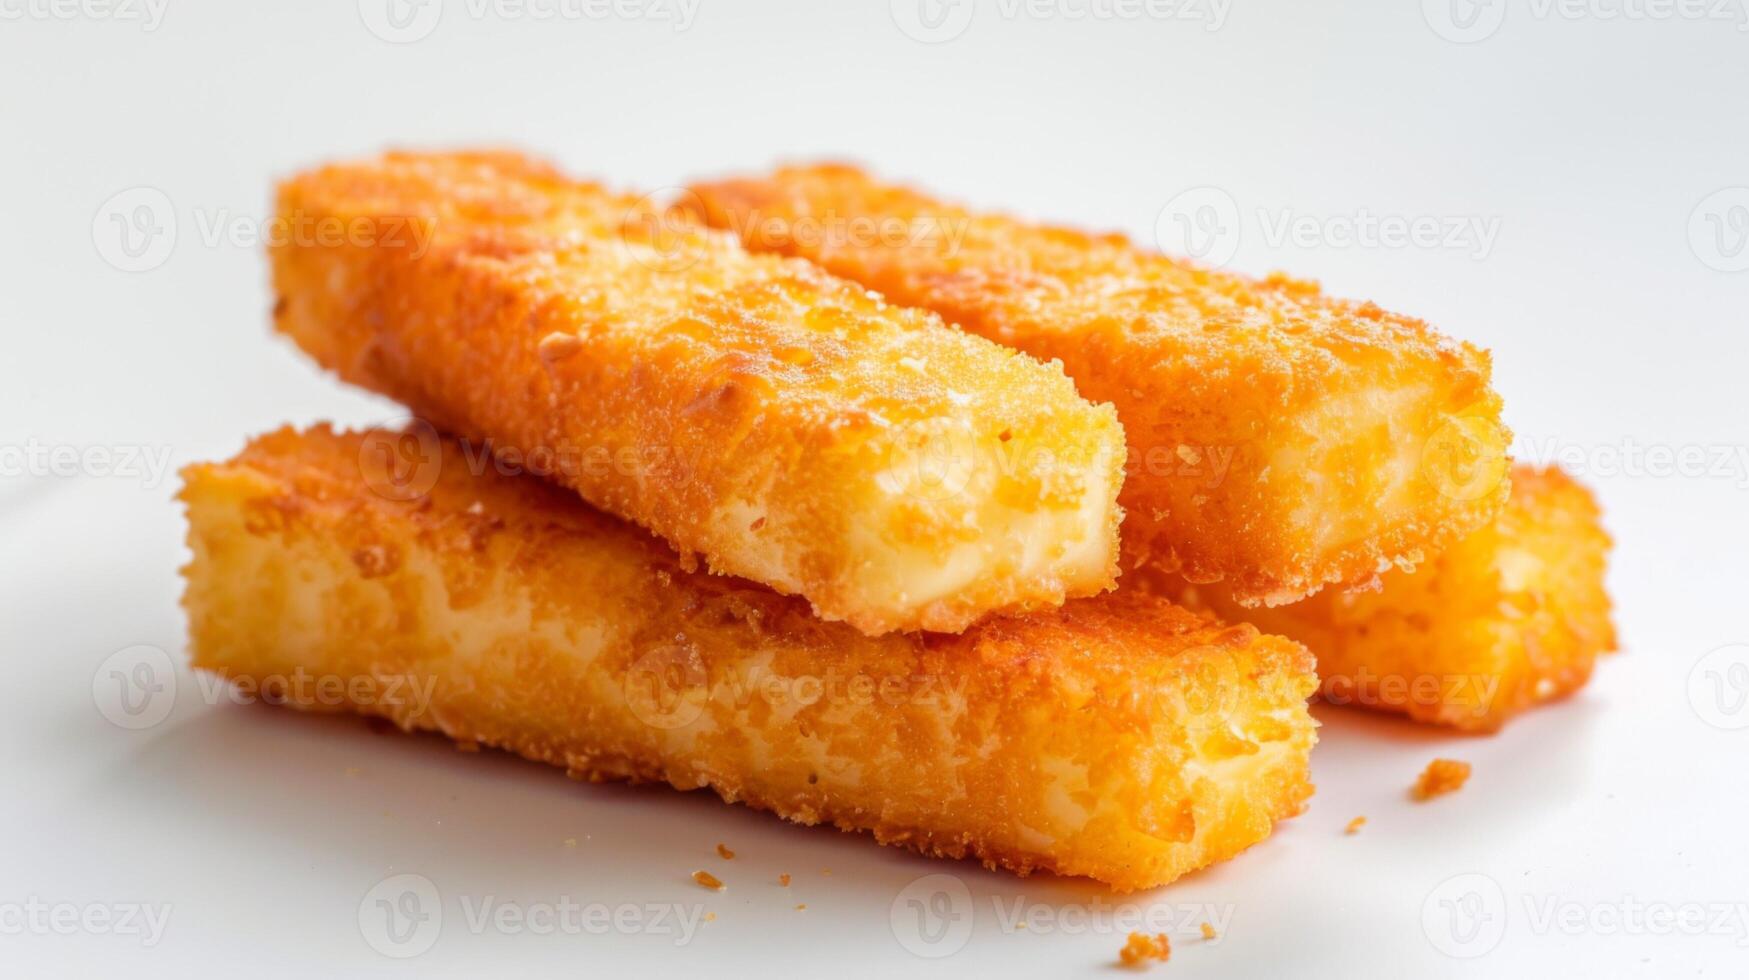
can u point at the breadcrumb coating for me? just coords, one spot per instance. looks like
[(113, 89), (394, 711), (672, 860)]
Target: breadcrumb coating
[(1117, 737), (784, 425), (1513, 616), (1280, 440), (1441, 776)]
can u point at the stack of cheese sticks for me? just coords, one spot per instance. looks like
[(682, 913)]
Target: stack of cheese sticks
[(834, 525)]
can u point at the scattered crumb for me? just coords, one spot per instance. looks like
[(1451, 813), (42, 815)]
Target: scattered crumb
[(1208, 931), (724, 852), (708, 880), (710, 917), (570, 842), (826, 871), (1440, 777), (783, 879), (1354, 825), (802, 907), (352, 770), (1143, 947)]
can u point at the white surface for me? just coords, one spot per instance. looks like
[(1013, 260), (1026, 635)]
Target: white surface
[(1590, 139)]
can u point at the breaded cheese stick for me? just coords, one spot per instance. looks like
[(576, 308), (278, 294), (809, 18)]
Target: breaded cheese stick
[(1280, 441), (787, 426), (1117, 737), (1508, 618)]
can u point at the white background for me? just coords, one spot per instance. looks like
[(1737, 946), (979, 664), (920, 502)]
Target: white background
[(1594, 145)]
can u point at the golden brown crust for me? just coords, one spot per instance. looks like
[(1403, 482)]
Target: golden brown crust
[(1513, 616), (1280, 440), (1117, 737), (785, 425)]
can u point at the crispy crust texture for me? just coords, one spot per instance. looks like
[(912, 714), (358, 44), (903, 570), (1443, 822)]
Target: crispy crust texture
[(1117, 737), (1511, 617), (787, 426), (1280, 440)]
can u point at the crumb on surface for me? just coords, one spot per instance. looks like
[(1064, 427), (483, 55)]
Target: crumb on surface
[(708, 880), (783, 879), (802, 907), (1208, 931), (710, 917), (724, 852), (1142, 947), (570, 842), (1440, 777), (1357, 823)]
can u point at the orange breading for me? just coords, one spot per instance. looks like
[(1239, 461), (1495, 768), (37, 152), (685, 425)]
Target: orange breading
[(787, 426), (1280, 440), (1117, 737), (1512, 616), (1441, 776)]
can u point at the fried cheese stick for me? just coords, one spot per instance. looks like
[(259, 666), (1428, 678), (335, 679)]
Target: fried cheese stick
[(787, 426), (1280, 441), (1117, 737), (1512, 616)]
